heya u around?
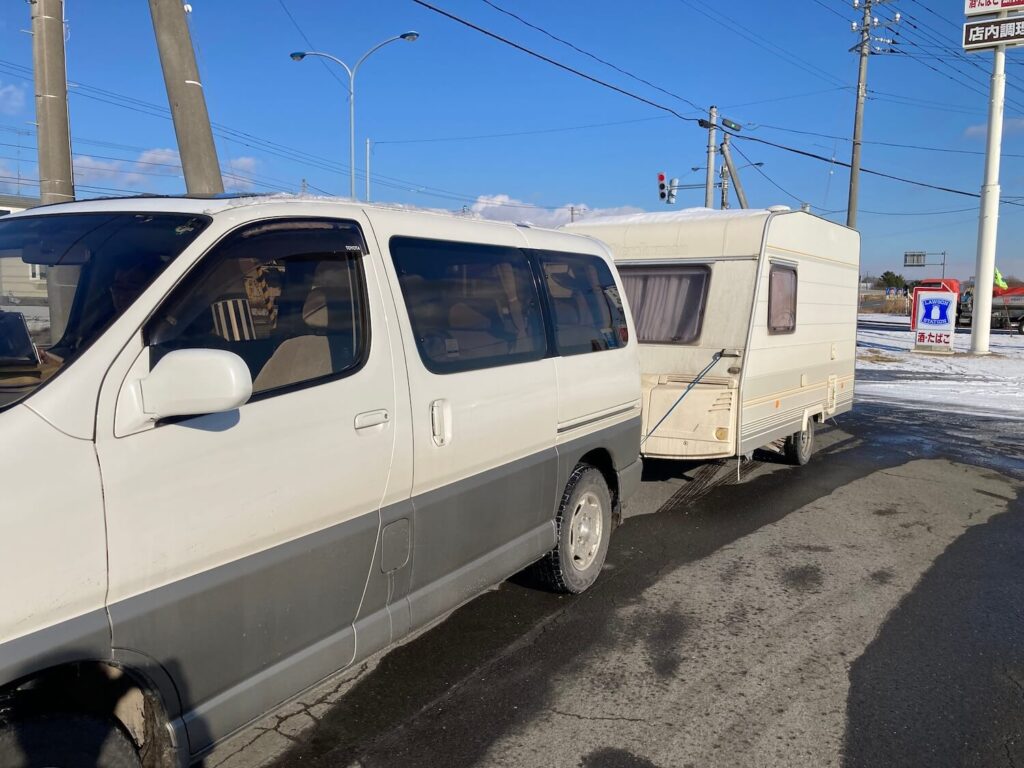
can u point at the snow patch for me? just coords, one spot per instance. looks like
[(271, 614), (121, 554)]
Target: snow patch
[(888, 371)]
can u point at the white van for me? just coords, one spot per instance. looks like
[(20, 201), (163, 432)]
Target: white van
[(247, 443), (749, 316)]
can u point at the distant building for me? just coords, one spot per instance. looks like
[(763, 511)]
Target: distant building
[(20, 282)]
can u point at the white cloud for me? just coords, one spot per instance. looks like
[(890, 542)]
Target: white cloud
[(12, 99), (505, 208), (141, 173), (236, 173), (980, 131)]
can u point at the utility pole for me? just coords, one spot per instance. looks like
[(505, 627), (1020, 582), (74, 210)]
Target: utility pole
[(724, 183), (858, 117), (56, 176), (733, 173), (709, 182), (864, 49), (185, 95), (988, 221)]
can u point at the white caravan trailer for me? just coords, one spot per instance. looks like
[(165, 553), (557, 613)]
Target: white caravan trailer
[(765, 300)]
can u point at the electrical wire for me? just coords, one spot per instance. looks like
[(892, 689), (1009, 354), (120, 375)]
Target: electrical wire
[(770, 180), (598, 59), (554, 63), (793, 150), (519, 133), (736, 28), (312, 47)]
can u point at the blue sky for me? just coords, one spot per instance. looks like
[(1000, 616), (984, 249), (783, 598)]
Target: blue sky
[(768, 67)]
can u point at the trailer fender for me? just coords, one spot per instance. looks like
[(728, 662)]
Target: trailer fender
[(810, 413)]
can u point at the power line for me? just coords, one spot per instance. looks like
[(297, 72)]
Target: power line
[(770, 180), (598, 59), (830, 9), (881, 174), (737, 28), (520, 133), (554, 63), (893, 144), (794, 150), (311, 46)]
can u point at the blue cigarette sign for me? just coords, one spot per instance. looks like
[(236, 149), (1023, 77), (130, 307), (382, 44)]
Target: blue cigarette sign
[(936, 312)]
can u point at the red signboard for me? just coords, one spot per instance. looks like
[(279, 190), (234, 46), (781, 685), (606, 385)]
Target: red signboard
[(977, 7)]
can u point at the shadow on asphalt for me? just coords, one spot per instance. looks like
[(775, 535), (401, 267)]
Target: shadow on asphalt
[(943, 682), (450, 694)]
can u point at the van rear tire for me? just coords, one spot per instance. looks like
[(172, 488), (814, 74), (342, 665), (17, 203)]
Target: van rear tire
[(66, 741), (800, 445), (584, 526)]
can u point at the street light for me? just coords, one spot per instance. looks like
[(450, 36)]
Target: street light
[(300, 55)]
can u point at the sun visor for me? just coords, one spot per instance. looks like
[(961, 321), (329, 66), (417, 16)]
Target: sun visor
[(50, 255)]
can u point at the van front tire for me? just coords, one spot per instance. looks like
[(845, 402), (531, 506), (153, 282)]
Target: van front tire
[(800, 445), (584, 526), (66, 741)]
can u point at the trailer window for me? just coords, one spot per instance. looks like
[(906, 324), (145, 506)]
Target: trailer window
[(781, 299), (585, 304), (667, 301)]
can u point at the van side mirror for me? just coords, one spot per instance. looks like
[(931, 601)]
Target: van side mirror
[(194, 382)]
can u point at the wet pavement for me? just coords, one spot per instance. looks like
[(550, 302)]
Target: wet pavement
[(866, 609)]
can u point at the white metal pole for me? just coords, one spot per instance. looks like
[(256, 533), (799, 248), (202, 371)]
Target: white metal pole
[(367, 170), (709, 183), (988, 222), (352, 134)]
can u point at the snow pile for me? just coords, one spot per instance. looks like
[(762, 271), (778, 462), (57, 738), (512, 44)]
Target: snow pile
[(889, 372)]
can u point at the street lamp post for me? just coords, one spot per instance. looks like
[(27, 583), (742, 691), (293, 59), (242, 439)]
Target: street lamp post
[(300, 55)]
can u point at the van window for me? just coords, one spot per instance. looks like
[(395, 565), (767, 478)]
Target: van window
[(585, 303), (471, 306), (781, 299), (288, 297), (667, 301)]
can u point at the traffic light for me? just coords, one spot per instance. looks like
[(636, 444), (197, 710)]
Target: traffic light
[(672, 186), (663, 190)]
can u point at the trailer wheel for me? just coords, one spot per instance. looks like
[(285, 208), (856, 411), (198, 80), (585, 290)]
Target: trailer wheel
[(584, 525), (800, 445)]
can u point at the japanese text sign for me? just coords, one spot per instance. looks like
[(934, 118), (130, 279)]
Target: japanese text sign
[(992, 33)]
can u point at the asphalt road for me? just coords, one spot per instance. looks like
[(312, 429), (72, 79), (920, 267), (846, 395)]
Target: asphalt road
[(864, 610)]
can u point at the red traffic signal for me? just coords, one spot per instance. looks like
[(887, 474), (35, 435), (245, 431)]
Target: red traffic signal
[(662, 187)]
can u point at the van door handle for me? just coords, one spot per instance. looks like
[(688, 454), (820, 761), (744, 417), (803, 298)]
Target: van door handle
[(372, 419), (441, 422)]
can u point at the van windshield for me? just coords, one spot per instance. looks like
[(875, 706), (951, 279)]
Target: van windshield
[(64, 278)]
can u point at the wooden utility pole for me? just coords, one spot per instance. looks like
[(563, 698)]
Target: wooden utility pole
[(185, 95)]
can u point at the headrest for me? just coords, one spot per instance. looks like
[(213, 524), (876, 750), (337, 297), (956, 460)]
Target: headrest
[(314, 311)]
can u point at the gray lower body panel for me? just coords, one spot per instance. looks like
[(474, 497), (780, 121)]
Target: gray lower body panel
[(242, 638), (239, 639), (85, 637), (629, 483)]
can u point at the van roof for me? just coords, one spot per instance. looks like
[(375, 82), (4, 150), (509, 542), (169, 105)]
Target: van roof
[(213, 204)]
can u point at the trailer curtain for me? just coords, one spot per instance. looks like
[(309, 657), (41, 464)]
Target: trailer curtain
[(667, 302)]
